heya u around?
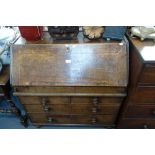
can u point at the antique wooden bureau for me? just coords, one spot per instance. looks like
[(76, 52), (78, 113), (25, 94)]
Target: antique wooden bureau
[(139, 108), (74, 83)]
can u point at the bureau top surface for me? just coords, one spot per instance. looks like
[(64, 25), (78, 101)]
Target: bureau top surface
[(47, 39), (146, 48), (95, 64)]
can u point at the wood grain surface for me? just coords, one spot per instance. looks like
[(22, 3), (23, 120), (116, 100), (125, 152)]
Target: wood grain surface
[(98, 64)]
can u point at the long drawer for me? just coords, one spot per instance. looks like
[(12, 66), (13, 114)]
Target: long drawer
[(73, 100), (72, 109), (72, 119), (138, 123), (94, 119), (141, 111), (148, 75), (143, 95)]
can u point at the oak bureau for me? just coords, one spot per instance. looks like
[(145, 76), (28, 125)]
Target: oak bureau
[(75, 83)]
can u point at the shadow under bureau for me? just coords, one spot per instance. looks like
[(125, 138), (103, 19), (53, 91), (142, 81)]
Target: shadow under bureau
[(80, 84)]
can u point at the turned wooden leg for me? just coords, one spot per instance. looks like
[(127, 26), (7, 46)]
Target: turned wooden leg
[(24, 120)]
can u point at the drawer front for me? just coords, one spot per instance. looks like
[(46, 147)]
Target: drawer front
[(88, 109), (42, 118), (143, 95), (72, 100), (44, 99), (69, 89), (71, 109), (148, 75), (93, 119), (138, 123), (141, 111), (97, 100), (72, 119), (49, 108)]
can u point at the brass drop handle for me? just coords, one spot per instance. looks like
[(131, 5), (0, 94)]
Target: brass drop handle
[(95, 100), (46, 108), (94, 120), (50, 119), (145, 126), (94, 109), (44, 101)]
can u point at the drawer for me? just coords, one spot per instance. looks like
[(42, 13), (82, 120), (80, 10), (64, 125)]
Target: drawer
[(88, 109), (49, 108), (42, 118), (97, 100), (33, 90), (71, 109), (141, 111), (93, 119), (138, 123), (44, 99), (148, 75), (143, 95)]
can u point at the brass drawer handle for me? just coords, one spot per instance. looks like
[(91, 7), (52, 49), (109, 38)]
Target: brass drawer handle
[(94, 120), (95, 100), (46, 108), (51, 119), (44, 105), (94, 110), (44, 101)]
